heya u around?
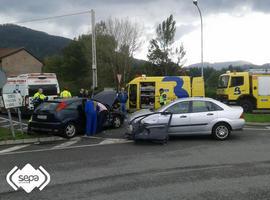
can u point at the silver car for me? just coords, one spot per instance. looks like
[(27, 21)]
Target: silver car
[(193, 116)]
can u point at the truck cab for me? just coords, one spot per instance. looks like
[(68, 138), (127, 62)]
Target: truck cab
[(250, 89)]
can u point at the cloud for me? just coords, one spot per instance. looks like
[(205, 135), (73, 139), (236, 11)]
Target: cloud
[(149, 13), (184, 29)]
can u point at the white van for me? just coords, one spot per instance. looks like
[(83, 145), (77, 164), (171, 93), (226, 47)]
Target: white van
[(28, 84)]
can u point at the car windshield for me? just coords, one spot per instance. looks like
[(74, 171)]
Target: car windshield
[(47, 106), (223, 81), (47, 89)]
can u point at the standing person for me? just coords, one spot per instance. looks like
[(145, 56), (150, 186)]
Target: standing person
[(65, 93), (91, 117), (86, 94), (81, 93), (101, 116), (162, 97), (123, 97), (38, 98)]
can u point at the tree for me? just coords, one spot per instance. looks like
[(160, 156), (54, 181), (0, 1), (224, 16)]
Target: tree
[(162, 52), (127, 37), (73, 67)]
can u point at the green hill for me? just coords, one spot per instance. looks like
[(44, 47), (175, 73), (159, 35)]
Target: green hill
[(39, 43)]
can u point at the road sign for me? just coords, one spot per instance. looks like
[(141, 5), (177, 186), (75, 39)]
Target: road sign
[(3, 78), (1, 102), (12, 100), (119, 77)]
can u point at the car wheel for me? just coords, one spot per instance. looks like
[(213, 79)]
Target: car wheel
[(117, 122), (70, 130), (247, 106), (221, 131)]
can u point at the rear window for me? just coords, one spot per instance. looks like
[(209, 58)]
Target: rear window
[(47, 106), (199, 106), (47, 89), (204, 106)]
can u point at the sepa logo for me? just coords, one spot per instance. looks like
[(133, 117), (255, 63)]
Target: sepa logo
[(28, 178)]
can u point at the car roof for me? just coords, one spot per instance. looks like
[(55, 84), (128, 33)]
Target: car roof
[(194, 98), (68, 100), (202, 99)]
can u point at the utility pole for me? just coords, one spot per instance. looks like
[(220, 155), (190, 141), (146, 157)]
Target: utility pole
[(195, 2), (94, 54)]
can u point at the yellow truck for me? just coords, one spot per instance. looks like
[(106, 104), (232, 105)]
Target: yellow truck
[(143, 92), (250, 89)]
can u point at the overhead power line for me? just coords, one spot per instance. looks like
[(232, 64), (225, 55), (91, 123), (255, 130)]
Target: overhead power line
[(50, 18)]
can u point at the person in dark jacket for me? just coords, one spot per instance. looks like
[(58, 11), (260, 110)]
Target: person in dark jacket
[(81, 93), (91, 117), (123, 97)]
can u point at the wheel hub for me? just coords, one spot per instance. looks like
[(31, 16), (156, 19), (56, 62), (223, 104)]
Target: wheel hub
[(70, 130), (222, 131)]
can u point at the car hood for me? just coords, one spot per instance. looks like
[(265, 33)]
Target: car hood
[(106, 97), (139, 113)]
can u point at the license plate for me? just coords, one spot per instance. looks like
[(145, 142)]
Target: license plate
[(42, 116)]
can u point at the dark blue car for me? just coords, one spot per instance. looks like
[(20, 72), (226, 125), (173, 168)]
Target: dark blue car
[(66, 117)]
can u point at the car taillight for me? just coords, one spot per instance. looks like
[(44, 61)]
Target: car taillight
[(242, 116), (61, 106)]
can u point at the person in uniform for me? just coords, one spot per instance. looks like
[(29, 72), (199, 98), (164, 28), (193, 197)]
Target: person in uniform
[(38, 98), (91, 117), (65, 93), (162, 97)]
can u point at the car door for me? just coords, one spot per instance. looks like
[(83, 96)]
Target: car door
[(203, 113), (180, 117), (75, 112)]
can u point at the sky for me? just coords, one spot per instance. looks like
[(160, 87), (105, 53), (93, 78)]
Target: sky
[(233, 29)]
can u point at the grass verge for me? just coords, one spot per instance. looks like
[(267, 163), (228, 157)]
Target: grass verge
[(259, 118), (5, 134)]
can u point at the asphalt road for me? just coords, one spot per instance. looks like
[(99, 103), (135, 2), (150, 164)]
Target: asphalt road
[(185, 168)]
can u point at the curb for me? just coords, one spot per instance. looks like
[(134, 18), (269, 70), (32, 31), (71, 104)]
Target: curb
[(257, 124), (32, 140)]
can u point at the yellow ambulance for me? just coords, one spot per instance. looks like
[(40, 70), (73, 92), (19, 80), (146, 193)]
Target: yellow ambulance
[(143, 92), (250, 89)]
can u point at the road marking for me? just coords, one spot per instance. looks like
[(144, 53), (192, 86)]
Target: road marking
[(256, 129), (5, 126), (70, 147), (14, 148), (2, 118), (68, 143), (268, 127), (112, 141), (16, 124)]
